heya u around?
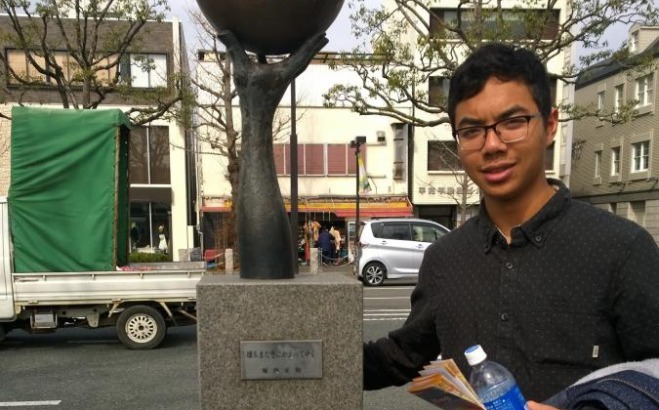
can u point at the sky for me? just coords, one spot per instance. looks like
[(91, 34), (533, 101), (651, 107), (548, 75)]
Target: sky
[(339, 34)]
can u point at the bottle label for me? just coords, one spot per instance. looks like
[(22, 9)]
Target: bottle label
[(511, 400)]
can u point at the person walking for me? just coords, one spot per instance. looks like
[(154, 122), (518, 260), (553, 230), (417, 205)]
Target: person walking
[(325, 245)]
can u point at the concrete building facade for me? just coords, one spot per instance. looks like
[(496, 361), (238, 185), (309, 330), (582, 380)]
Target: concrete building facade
[(162, 190), (406, 165), (615, 166)]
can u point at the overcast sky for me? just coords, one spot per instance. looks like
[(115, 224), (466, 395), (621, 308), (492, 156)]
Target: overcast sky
[(340, 38)]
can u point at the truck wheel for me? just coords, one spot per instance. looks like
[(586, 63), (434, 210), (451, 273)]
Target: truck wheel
[(141, 327)]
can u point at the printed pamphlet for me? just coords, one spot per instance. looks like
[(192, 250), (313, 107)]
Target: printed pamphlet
[(442, 383)]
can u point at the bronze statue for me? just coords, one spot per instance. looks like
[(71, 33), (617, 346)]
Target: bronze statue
[(264, 234)]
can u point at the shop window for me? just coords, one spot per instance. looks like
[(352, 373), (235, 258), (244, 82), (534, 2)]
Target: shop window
[(146, 218)]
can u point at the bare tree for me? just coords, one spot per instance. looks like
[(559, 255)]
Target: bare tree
[(411, 45), (443, 155), (79, 50)]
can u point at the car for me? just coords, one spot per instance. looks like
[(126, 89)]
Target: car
[(393, 248)]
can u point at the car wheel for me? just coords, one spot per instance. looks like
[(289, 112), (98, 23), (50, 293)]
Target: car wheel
[(374, 274), (141, 327)]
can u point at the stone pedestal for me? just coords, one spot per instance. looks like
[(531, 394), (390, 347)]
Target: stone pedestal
[(326, 307)]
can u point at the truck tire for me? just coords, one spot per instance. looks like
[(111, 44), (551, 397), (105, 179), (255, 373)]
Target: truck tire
[(141, 327)]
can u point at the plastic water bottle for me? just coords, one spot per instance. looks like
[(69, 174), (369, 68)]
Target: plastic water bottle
[(494, 384)]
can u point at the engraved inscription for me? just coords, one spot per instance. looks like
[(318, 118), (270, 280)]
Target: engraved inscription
[(281, 359)]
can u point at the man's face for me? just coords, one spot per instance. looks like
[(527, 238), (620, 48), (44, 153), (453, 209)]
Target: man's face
[(503, 171)]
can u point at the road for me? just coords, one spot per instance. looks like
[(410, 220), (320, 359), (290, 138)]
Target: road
[(79, 369)]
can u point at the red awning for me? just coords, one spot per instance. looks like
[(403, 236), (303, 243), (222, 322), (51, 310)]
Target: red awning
[(215, 209), (375, 212), (345, 208)]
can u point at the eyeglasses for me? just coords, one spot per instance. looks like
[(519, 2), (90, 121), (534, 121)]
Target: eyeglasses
[(509, 130)]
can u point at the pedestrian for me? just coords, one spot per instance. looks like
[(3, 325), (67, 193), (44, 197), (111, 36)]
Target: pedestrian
[(551, 287), (325, 245), (335, 235)]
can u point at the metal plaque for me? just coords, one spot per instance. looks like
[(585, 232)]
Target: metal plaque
[(281, 359)]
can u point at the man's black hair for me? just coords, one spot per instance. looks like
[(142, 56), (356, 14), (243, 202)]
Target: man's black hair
[(505, 62)]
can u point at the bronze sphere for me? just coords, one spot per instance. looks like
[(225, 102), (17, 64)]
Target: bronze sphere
[(271, 26)]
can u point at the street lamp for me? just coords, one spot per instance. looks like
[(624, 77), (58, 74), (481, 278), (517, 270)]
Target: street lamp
[(356, 144)]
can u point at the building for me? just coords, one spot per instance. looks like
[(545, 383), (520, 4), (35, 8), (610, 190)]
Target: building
[(615, 166), (162, 189), (438, 188), (327, 167), (411, 170)]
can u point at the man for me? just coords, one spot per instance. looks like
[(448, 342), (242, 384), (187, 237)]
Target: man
[(552, 288)]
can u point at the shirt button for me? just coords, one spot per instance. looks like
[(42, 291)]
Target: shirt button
[(509, 265), (504, 317), (538, 238)]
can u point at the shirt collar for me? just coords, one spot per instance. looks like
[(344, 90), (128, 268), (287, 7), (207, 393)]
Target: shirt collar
[(536, 229)]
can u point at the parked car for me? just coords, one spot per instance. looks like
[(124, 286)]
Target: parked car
[(393, 248)]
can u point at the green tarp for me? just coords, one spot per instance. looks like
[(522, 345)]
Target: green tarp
[(68, 197)]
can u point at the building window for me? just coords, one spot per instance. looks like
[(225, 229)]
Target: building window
[(314, 160), (311, 159), (619, 98), (24, 70), (600, 100), (400, 150), (598, 164), (337, 159), (644, 91), (443, 156), (549, 157), (615, 161), (636, 212), (149, 156), (640, 156), (438, 91), (633, 42), (146, 70), (146, 217), (507, 24)]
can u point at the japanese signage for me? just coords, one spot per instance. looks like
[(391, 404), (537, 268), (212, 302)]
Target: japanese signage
[(282, 359)]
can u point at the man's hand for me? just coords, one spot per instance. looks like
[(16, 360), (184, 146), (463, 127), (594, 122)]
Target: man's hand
[(537, 406)]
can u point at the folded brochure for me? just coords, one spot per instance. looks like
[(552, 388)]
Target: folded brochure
[(443, 384)]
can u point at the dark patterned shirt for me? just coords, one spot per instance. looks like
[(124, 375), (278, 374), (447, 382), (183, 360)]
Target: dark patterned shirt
[(577, 289)]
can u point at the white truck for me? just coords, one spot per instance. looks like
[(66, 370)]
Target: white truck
[(140, 304), (64, 233)]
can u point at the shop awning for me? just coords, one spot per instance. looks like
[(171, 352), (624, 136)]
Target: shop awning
[(375, 212), (215, 209), (369, 207)]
